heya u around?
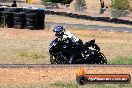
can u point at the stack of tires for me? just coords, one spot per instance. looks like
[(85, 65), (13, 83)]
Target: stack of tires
[(19, 20), (31, 17), (31, 20), (35, 18), (1, 15), (40, 19), (17, 9), (7, 18)]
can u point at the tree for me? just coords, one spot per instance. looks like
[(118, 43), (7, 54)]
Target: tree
[(120, 8), (121, 4), (80, 5)]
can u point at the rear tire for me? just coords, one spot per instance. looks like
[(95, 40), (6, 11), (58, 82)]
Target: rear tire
[(20, 14), (31, 15), (30, 20), (19, 26)]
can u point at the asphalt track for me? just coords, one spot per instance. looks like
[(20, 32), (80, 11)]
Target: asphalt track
[(54, 66), (96, 27)]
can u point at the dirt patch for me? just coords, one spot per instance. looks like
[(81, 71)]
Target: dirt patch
[(55, 74)]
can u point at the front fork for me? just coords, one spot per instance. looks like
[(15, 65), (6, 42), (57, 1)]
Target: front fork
[(61, 58), (95, 46)]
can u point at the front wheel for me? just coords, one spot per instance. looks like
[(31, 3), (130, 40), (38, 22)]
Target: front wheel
[(103, 59), (53, 58), (100, 58), (56, 59), (97, 57)]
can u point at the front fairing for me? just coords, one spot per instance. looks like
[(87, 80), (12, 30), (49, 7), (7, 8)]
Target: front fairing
[(53, 44), (58, 45)]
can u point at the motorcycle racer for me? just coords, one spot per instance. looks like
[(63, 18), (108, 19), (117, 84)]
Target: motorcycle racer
[(62, 34)]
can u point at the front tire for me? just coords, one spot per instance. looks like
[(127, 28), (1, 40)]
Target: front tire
[(53, 59), (97, 57), (102, 59)]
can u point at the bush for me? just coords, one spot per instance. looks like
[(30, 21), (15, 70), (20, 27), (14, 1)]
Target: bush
[(47, 0), (121, 4), (80, 5), (130, 5)]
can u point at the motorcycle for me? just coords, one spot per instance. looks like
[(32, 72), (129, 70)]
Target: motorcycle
[(89, 53)]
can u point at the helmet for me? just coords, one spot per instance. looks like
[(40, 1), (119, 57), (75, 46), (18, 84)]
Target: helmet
[(14, 1), (59, 30)]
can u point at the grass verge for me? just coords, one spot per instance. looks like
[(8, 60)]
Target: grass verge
[(65, 85), (121, 60), (33, 55)]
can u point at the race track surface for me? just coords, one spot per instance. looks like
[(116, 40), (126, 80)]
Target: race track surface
[(96, 27)]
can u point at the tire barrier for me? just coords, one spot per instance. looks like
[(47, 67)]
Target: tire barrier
[(19, 20), (48, 12), (35, 18), (23, 17), (7, 18), (1, 10), (86, 17), (8, 9), (0, 18), (40, 19), (31, 20)]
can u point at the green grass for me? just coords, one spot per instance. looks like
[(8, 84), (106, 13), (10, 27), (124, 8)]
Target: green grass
[(32, 85), (121, 60), (33, 55), (108, 86), (36, 55), (75, 85), (64, 85)]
